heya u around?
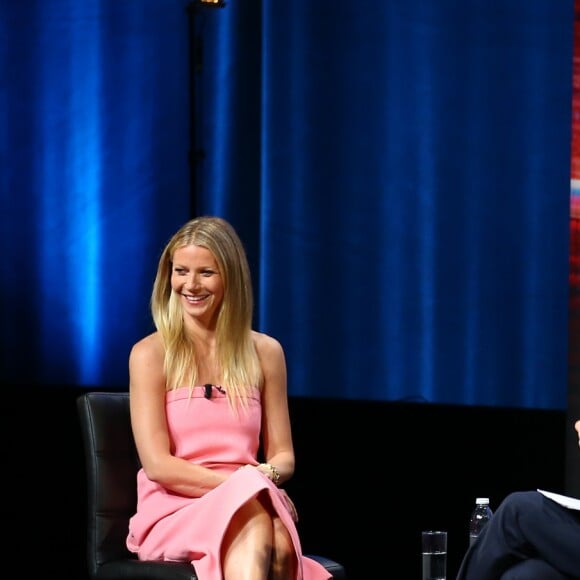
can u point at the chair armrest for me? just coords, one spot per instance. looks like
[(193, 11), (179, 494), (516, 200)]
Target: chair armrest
[(337, 570)]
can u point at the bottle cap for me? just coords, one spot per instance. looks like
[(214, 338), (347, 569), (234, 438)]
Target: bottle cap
[(482, 500)]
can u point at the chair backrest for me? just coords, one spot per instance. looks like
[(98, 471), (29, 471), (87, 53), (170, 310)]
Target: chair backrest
[(112, 464)]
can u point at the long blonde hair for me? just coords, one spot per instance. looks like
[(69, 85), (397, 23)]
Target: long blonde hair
[(236, 355)]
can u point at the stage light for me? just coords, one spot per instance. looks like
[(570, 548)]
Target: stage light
[(208, 4)]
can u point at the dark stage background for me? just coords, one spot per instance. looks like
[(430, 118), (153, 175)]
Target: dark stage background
[(400, 174)]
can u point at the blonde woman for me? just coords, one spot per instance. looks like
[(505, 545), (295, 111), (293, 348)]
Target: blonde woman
[(210, 418)]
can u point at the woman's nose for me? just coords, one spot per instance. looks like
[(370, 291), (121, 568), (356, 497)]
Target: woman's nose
[(192, 281)]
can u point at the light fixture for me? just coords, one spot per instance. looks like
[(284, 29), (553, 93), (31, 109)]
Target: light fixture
[(208, 4)]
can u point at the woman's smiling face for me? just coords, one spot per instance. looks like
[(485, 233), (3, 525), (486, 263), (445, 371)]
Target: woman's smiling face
[(195, 276)]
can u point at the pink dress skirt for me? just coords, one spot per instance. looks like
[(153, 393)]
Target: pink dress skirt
[(169, 526)]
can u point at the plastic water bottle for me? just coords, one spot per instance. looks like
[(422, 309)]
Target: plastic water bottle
[(479, 517)]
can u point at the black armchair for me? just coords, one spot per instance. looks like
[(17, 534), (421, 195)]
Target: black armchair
[(112, 464)]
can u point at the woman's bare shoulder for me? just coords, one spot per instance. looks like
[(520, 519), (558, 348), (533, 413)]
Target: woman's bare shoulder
[(265, 341), (149, 347), (146, 364), (268, 347)]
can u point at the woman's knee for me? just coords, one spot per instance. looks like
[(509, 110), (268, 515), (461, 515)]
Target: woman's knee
[(251, 519)]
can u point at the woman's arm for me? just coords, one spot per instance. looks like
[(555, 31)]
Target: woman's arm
[(149, 424), (276, 431), (577, 426)]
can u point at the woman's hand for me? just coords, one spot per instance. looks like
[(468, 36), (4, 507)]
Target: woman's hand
[(285, 497), (577, 427), (289, 504)]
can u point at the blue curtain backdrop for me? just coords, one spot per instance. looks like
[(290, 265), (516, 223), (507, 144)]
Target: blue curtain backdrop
[(415, 191), (399, 172), (94, 178)]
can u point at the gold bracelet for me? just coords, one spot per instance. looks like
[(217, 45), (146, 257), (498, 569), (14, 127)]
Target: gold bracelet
[(274, 471)]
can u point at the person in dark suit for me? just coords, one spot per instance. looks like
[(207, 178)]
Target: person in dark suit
[(529, 537)]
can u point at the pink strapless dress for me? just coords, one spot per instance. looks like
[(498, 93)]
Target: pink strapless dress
[(169, 526)]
